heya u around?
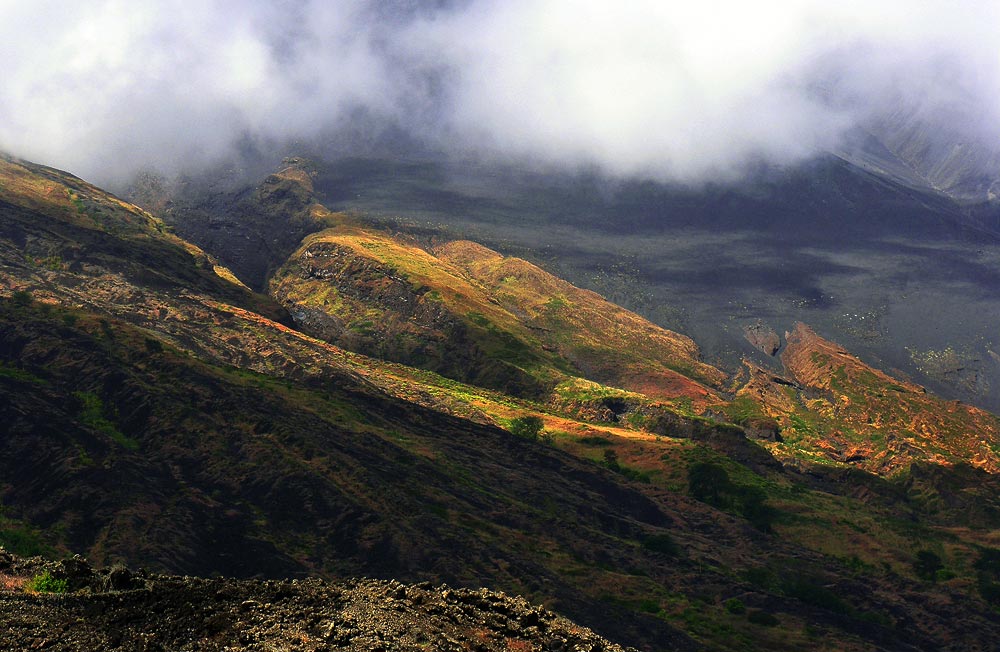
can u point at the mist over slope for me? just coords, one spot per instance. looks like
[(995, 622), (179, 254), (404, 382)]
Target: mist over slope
[(667, 92)]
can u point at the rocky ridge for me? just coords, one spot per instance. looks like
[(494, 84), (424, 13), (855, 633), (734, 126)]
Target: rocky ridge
[(120, 609)]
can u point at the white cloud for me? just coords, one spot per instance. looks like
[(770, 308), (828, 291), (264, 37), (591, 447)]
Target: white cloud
[(662, 89)]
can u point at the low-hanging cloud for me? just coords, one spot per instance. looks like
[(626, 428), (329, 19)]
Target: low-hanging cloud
[(664, 90)]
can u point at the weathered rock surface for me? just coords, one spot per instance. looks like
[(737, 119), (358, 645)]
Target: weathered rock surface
[(118, 609), (763, 337)]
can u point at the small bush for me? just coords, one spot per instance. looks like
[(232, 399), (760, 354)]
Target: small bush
[(812, 591), (710, 483), (595, 441), (21, 541), (529, 427), (988, 575), (45, 583), (734, 606)]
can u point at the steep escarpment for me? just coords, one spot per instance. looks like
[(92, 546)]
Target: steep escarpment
[(370, 293)]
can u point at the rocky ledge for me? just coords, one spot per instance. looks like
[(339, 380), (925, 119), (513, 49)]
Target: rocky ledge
[(69, 605)]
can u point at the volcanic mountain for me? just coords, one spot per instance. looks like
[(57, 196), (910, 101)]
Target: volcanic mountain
[(409, 407)]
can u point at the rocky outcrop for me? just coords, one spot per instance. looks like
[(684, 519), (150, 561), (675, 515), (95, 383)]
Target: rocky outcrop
[(251, 229), (762, 337), (115, 608)]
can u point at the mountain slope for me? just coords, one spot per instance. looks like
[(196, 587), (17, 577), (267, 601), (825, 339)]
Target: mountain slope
[(838, 408), (892, 272), (177, 428), (525, 329)]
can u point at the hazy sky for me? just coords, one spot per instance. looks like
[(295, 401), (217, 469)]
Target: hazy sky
[(662, 89)]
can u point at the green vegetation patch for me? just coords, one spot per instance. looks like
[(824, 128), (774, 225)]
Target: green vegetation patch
[(594, 440), (710, 483), (529, 427), (743, 409), (21, 539), (45, 583), (92, 415), (14, 373)]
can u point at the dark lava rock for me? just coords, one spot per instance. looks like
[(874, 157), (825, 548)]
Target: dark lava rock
[(763, 337), (117, 609)]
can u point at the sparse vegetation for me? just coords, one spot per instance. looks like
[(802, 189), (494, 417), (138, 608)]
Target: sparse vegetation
[(8, 371), (92, 414), (22, 298), (987, 567), (21, 539), (761, 617), (661, 543), (710, 483), (45, 583)]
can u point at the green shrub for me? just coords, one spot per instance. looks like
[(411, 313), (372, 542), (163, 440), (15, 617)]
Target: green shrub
[(92, 415), (21, 541), (45, 583), (595, 441), (734, 606), (988, 575), (812, 591), (529, 427), (710, 483)]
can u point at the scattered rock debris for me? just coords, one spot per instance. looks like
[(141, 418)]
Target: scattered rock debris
[(120, 609)]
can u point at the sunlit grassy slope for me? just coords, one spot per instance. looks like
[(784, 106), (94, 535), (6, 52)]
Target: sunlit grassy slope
[(834, 408), (474, 315)]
